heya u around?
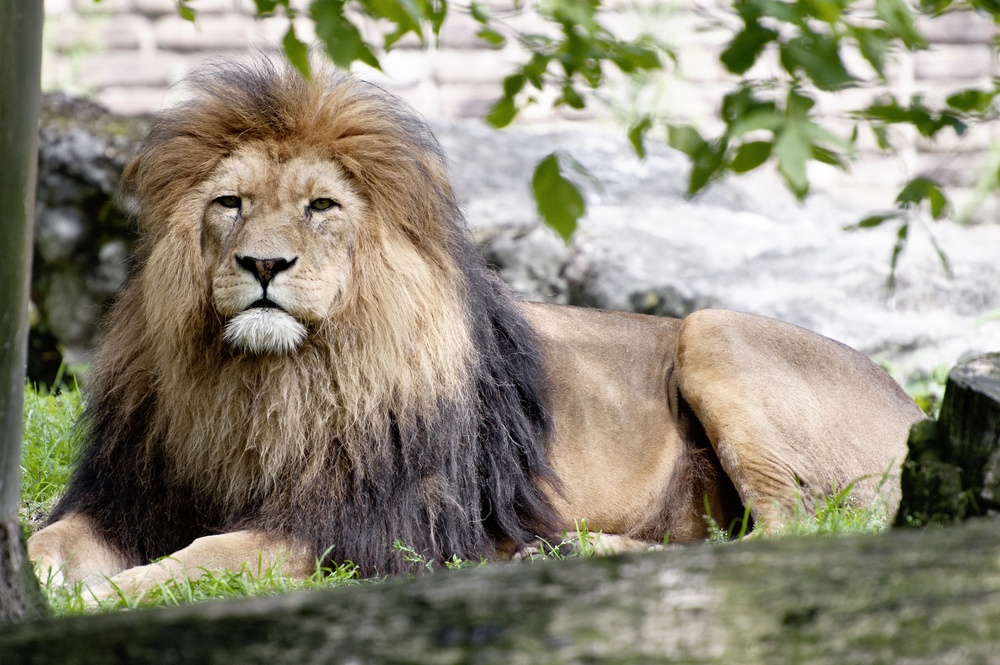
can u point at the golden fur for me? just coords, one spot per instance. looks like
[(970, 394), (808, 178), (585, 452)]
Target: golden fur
[(311, 354)]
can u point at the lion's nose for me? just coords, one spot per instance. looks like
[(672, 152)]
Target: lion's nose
[(264, 269)]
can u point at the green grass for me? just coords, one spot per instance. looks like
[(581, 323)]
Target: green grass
[(212, 585), (50, 440), (47, 449)]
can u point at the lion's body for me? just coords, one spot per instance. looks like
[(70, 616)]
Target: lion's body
[(311, 354)]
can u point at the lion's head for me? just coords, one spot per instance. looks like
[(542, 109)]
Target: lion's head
[(308, 319)]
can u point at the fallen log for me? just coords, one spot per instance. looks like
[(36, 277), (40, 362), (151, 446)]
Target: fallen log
[(902, 596)]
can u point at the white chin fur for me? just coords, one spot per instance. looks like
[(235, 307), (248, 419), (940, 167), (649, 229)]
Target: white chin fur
[(264, 330)]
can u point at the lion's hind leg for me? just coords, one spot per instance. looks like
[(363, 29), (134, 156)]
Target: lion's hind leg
[(791, 414)]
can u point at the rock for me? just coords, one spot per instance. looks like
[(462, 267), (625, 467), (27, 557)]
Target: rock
[(744, 243), (82, 238)]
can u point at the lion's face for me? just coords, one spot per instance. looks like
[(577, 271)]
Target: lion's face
[(277, 241)]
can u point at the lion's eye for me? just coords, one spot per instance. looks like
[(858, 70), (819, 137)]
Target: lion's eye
[(324, 204), (229, 201)]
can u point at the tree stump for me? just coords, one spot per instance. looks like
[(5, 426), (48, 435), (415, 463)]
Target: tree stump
[(953, 469)]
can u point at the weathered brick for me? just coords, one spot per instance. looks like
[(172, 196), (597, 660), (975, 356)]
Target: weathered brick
[(133, 100), (404, 68), (958, 28), (459, 32), (106, 6), (58, 7), (130, 68), (273, 29), (128, 31), (99, 32), (209, 32), (452, 66), (697, 63), (68, 32), (155, 7), (222, 6), (468, 100), (954, 62)]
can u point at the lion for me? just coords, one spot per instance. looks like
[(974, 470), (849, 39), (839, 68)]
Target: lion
[(311, 361)]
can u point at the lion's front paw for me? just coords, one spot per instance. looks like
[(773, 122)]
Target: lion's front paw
[(49, 570), (128, 584)]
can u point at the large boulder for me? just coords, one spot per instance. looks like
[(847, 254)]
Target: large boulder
[(82, 239), (744, 244)]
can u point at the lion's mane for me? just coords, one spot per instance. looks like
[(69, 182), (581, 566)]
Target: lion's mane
[(415, 413)]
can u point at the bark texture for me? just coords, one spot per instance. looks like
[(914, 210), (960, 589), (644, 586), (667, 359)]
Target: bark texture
[(953, 469), (20, 55), (904, 596)]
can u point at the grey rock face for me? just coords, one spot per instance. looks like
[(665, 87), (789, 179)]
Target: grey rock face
[(82, 238), (743, 244)]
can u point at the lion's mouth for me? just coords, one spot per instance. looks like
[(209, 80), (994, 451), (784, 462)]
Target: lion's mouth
[(265, 303)]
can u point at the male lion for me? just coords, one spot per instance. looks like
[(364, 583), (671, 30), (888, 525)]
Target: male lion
[(311, 357)]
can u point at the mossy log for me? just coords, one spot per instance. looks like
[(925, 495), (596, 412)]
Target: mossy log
[(903, 596)]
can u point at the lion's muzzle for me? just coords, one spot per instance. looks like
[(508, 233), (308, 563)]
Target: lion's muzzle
[(264, 330)]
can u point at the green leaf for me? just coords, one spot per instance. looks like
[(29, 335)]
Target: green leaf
[(571, 97), (919, 190), (634, 56), (185, 11), (882, 137), (897, 249), (972, 100), (707, 159), (794, 149), (898, 18), (874, 220), (559, 201), (707, 167), (827, 156), (874, 44), (513, 84), (750, 155), (637, 135), (296, 51), (340, 37), (480, 12), (265, 7), (818, 57), (502, 113), (492, 36), (406, 14), (746, 47), (686, 139), (934, 7)]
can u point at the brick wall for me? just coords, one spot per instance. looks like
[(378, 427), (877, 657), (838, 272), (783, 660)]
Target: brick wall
[(125, 54)]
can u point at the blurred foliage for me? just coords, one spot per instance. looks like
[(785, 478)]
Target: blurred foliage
[(768, 117)]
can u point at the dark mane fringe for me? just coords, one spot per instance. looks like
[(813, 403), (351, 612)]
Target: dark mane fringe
[(460, 478)]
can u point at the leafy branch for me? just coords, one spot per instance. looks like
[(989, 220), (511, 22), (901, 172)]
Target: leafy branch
[(767, 119)]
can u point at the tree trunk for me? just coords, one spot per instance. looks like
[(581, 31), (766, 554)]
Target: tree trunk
[(953, 468), (970, 422), (902, 596), (20, 55)]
